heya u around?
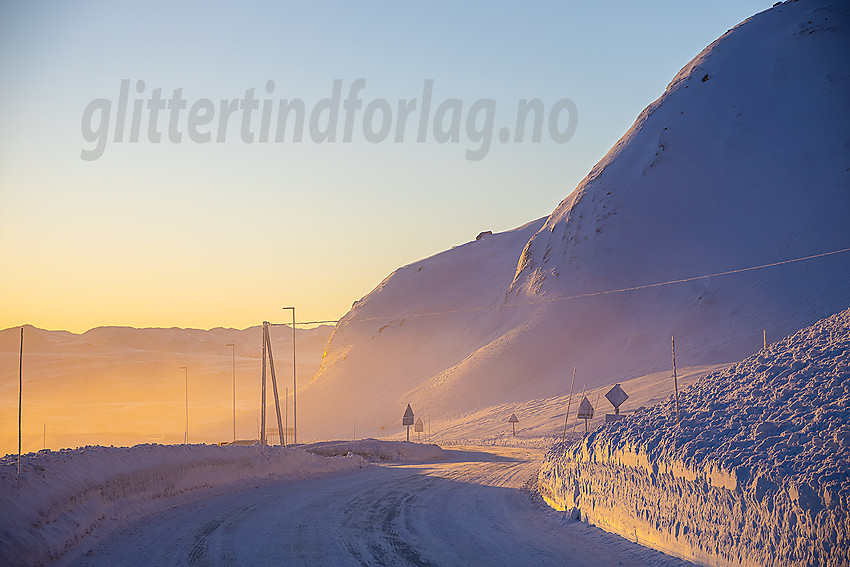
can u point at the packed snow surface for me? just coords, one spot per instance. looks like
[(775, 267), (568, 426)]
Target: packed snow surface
[(756, 473), (473, 507), (64, 495), (741, 162)]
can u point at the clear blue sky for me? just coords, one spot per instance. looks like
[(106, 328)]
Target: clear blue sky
[(225, 233)]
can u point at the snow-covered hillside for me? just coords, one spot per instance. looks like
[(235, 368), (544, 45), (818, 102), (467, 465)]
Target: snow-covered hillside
[(743, 161), (403, 340), (756, 473)]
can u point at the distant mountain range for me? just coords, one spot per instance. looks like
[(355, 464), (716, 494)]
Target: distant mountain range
[(122, 386)]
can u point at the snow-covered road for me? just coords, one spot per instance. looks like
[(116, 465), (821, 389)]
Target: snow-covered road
[(468, 510)]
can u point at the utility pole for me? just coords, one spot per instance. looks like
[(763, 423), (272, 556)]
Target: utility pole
[(281, 438), (233, 373), (263, 396), (186, 435), (294, 384), (764, 338), (675, 379), (20, 400)]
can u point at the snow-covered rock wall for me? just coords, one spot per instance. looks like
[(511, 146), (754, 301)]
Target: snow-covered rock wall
[(756, 473), (64, 495)]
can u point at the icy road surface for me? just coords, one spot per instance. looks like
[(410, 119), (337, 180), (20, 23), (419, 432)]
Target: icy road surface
[(469, 510)]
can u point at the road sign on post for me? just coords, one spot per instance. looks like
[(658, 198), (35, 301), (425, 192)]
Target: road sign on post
[(585, 411), (513, 421), (407, 419), (616, 396), (419, 427)]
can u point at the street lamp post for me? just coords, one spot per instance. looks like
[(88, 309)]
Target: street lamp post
[(294, 385), (233, 372), (186, 435)]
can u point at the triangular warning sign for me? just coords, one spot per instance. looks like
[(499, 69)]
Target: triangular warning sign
[(585, 410), (419, 427), (408, 416), (513, 419)]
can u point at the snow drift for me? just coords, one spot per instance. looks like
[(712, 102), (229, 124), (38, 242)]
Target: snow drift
[(742, 162), (64, 495), (756, 473), (375, 450)]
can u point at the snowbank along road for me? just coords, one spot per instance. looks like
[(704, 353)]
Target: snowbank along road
[(475, 508)]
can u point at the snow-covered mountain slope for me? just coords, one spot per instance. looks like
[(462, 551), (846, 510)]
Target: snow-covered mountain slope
[(743, 161), (756, 473), (407, 337)]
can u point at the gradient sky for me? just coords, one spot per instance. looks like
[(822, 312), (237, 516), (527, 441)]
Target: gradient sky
[(224, 234)]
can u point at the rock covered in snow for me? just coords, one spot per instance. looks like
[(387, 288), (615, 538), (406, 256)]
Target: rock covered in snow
[(757, 471)]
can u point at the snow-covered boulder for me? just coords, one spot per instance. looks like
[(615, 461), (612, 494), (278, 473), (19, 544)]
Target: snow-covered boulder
[(756, 473)]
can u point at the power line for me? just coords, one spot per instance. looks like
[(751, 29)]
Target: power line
[(303, 323), (589, 294)]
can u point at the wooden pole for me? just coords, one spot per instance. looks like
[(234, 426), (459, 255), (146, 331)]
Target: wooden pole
[(764, 338), (274, 389), (596, 405), (233, 375), (20, 400), (569, 405), (675, 379), (582, 397), (186, 432), (263, 396), (294, 385)]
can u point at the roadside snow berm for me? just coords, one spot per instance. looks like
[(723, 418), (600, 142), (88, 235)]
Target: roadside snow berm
[(757, 473)]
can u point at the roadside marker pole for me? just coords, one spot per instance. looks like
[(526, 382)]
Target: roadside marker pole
[(675, 379), (569, 405), (576, 421)]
